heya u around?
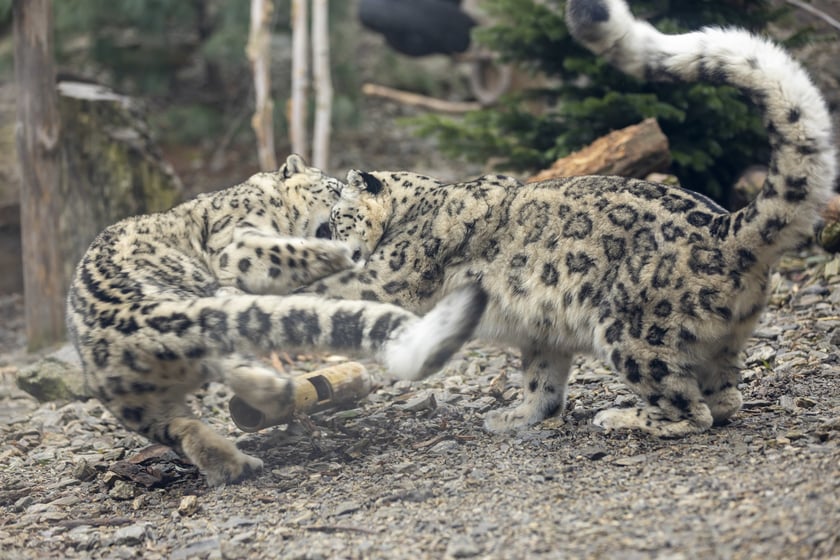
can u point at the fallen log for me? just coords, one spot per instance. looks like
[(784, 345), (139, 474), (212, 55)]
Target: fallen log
[(634, 151)]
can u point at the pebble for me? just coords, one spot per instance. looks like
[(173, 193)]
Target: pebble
[(444, 447), (130, 535), (462, 547), (346, 507), (188, 505), (122, 490)]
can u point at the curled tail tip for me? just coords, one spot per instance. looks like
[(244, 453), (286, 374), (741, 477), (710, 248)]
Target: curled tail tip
[(582, 14), (426, 345)]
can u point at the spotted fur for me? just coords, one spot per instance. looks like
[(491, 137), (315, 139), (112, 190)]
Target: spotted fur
[(657, 281), (158, 307)]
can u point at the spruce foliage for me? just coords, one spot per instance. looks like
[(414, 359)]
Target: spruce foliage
[(712, 131)]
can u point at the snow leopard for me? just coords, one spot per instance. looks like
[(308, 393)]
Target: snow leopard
[(657, 281), (160, 304)]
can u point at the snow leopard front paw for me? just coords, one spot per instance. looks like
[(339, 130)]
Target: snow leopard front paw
[(331, 256), (512, 419), (619, 419)]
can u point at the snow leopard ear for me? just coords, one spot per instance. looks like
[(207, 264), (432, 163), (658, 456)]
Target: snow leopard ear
[(294, 165), (372, 184)]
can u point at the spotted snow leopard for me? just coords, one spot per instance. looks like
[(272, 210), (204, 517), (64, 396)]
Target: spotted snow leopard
[(657, 281), (158, 307)]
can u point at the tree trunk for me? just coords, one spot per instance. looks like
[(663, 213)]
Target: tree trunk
[(634, 151), (38, 143), (323, 83), (300, 77), (258, 50)]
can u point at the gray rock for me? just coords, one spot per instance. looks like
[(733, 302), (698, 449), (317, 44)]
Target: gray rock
[(56, 377)]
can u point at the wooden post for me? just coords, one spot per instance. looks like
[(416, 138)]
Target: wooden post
[(38, 144), (258, 50), (300, 77), (323, 83)]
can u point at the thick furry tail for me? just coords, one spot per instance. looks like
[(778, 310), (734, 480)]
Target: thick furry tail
[(425, 345), (185, 330), (803, 166)]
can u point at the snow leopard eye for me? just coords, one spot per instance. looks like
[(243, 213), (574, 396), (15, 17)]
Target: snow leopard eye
[(323, 231)]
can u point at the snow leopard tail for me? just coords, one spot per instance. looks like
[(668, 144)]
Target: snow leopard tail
[(407, 345), (803, 165)]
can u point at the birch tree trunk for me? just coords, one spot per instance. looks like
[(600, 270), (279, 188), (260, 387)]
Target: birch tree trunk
[(39, 152), (300, 77), (323, 83), (258, 50)]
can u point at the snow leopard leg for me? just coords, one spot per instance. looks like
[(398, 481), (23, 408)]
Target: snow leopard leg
[(720, 391), (167, 419), (544, 378), (262, 262), (674, 404)]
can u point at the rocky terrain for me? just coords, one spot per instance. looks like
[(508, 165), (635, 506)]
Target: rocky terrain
[(410, 473)]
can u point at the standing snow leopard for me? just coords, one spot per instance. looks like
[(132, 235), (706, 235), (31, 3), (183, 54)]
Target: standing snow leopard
[(158, 307), (657, 281)]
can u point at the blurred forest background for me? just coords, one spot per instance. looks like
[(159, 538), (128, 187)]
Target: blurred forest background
[(185, 59)]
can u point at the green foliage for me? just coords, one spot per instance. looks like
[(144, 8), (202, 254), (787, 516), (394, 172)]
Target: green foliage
[(713, 134)]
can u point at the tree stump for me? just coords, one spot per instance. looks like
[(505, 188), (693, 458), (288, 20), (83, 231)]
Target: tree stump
[(111, 166)]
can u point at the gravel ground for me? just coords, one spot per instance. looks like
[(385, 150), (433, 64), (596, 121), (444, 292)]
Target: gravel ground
[(410, 473)]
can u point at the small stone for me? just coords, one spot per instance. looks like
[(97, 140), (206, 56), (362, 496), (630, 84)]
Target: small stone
[(805, 402), (138, 502), (23, 503), (83, 471), (630, 461), (130, 535), (622, 401), (462, 547), (201, 549), (444, 447), (424, 400), (188, 505), (344, 508), (122, 490), (787, 402), (594, 453), (761, 356)]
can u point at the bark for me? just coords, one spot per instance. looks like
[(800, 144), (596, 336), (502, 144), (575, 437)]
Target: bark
[(634, 151), (259, 54), (323, 83), (38, 144), (300, 77)]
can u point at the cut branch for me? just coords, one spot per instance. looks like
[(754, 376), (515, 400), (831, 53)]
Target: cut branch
[(417, 100)]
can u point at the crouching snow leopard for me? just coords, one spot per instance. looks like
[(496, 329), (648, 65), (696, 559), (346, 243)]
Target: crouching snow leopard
[(158, 307), (657, 281)]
